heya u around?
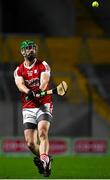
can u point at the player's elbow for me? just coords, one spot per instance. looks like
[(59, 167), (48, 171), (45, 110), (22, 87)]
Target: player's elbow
[(44, 84)]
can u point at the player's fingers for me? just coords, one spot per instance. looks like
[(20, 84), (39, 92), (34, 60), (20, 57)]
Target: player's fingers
[(37, 95)]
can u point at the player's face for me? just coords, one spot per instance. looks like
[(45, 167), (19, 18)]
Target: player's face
[(30, 52), (30, 49)]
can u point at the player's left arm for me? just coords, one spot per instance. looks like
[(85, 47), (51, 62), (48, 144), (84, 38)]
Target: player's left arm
[(45, 77)]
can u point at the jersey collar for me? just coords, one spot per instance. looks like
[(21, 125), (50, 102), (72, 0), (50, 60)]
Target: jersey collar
[(29, 67)]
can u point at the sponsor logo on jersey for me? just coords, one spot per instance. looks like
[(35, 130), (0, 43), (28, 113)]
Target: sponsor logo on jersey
[(33, 82)]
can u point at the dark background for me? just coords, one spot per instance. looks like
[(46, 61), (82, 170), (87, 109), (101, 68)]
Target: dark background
[(62, 21)]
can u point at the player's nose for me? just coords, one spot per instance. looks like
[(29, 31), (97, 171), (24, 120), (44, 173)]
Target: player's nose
[(31, 51)]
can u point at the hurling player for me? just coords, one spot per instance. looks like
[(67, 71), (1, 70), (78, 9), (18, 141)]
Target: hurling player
[(32, 79)]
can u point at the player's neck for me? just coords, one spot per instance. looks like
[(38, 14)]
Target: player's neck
[(28, 63)]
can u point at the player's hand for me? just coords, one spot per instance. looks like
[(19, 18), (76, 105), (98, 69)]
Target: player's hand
[(41, 93), (31, 95)]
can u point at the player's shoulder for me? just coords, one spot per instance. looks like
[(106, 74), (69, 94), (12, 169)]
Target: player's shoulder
[(42, 62), (18, 70)]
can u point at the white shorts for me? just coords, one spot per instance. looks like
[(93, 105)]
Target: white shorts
[(34, 115)]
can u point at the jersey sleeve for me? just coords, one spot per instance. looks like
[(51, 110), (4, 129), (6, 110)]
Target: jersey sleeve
[(17, 73), (46, 67)]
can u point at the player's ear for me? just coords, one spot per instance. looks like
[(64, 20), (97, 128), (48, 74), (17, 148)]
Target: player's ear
[(23, 52)]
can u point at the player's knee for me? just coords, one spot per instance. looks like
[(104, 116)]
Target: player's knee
[(42, 134)]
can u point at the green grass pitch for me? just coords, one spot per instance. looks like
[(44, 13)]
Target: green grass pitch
[(69, 167)]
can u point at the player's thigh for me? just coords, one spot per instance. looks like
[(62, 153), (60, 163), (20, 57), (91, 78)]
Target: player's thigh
[(43, 125)]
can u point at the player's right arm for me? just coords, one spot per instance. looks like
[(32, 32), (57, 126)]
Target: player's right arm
[(19, 81), (21, 85)]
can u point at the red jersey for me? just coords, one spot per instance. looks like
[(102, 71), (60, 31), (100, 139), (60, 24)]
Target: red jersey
[(31, 76)]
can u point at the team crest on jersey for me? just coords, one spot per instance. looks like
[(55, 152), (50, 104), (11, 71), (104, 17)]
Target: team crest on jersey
[(29, 73), (35, 71)]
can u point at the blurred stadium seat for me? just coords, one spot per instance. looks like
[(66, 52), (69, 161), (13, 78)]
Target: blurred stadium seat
[(77, 90), (2, 94), (101, 107), (11, 87), (4, 55), (99, 50), (63, 53)]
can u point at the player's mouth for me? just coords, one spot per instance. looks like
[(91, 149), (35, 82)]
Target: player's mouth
[(31, 56)]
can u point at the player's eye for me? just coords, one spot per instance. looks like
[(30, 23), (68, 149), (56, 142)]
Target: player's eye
[(34, 47), (29, 47)]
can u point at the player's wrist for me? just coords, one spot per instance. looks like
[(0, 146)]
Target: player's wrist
[(28, 91), (42, 93), (30, 95)]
